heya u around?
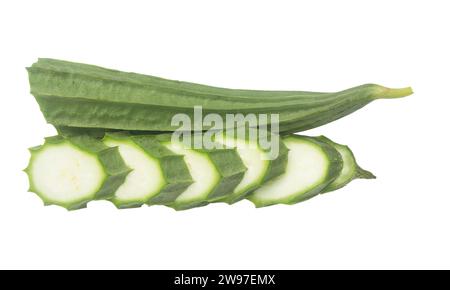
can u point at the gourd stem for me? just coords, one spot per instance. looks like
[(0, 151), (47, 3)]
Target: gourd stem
[(396, 93)]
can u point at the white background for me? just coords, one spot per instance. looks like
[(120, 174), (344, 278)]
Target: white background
[(400, 220)]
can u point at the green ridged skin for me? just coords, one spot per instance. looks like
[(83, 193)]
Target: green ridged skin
[(98, 132), (333, 168), (79, 95), (63, 66), (350, 170), (114, 170), (76, 131), (175, 177), (273, 166), (229, 171)]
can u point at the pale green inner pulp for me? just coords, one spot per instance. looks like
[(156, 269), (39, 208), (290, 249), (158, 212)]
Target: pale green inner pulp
[(64, 174), (203, 172), (253, 158), (146, 178), (307, 167), (348, 168)]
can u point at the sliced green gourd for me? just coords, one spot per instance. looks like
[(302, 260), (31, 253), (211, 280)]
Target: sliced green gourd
[(158, 175), (70, 172), (312, 165), (260, 167), (350, 170), (215, 173)]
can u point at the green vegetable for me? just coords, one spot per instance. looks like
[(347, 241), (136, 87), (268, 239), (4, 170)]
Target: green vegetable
[(260, 167), (158, 175), (70, 172), (79, 95), (215, 172), (312, 165), (350, 170)]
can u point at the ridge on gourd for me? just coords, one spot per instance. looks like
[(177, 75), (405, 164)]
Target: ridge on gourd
[(159, 175), (70, 172), (98, 132), (80, 95), (312, 165), (216, 172), (260, 166), (350, 170)]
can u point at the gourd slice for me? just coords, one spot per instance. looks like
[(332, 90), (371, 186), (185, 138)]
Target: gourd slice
[(70, 172), (215, 173), (312, 165), (260, 168), (158, 175)]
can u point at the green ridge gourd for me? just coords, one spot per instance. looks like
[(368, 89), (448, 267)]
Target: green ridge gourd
[(70, 172), (79, 95)]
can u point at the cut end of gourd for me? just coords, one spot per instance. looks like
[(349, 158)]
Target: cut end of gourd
[(387, 93), (364, 174)]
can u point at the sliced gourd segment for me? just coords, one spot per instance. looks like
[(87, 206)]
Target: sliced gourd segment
[(312, 165), (260, 168), (158, 175), (215, 173), (350, 169), (70, 172)]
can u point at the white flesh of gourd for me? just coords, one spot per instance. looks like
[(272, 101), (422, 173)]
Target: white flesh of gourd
[(203, 172), (253, 158), (307, 168), (63, 173), (146, 178)]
